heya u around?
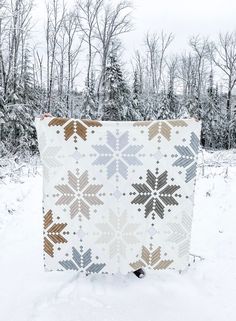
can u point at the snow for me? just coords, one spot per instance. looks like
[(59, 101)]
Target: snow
[(207, 291)]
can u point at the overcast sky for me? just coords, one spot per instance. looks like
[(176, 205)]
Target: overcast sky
[(181, 17)]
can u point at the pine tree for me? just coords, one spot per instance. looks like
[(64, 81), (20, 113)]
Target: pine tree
[(213, 123), (220, 122), (89, 105), (172, 103), (19, 108), (168, 103), (163, 110), (117, 94), (26, 88), (136, 112)]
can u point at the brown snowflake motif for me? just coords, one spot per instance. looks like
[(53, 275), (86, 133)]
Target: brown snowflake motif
[(151, 259), (53, 233), (74, 128), (161, 128), (79, 194)]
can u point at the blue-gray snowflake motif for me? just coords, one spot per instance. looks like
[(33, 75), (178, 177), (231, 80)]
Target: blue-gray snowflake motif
[(117, 154)]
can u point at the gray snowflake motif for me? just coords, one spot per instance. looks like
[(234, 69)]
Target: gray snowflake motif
[(187, 158), (82, 262), (79, 194), (118, 232), (155, 194), (117, 154)]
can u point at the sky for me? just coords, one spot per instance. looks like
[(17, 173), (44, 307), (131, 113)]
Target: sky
[(183, 18)]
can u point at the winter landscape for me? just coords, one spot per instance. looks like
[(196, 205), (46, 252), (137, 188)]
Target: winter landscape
[(205, 292), (114, 60)]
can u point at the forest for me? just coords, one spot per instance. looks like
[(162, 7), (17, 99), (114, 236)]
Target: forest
[(84, 41)]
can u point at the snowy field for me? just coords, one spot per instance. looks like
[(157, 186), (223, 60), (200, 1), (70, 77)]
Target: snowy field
[(207, 291)]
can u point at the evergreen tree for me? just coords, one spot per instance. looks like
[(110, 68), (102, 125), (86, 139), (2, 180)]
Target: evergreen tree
[(19, 109), (27, 89), (136, 111), (208, 114), (168, 103), (89, 105), (163, 110), (172, 102), (117, 94)]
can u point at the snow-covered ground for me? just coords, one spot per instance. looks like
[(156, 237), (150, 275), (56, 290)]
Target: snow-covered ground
[(207, 291)]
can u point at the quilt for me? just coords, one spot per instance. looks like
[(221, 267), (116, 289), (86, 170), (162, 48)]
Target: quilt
[(117, 196)]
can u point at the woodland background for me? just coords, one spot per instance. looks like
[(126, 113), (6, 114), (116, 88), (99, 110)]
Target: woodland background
[(86, 39), (79, 65)]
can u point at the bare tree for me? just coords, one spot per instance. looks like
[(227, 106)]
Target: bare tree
[(138, 67), (110, 24), (15, 24), (157, 46), (73, 48), (60, 62), (201, 55), (38, 72), (55, 18), (223, 53), (2, 60), (87, 13), (186, 74), (172, 77), (151, 43)]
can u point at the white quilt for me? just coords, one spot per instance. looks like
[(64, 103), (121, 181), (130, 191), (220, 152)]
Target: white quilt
[(117, 196)]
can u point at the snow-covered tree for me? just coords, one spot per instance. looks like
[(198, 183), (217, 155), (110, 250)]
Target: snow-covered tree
[(135, 112), (163, 108), (213, 116), (117, 93), (89, 106)]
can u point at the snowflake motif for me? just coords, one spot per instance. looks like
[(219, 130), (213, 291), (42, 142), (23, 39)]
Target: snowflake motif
[(118, 233), (180, 234), (155, 194), (160, 128), (152, 260), (74, 128), (187, 158), (49, 155), (82, 262), (79, 194), (117, 154), (53, 233)]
